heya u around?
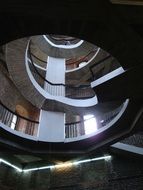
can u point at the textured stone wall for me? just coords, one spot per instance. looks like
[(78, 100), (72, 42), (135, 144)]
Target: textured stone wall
[(117, 174), (11, 97), (135, 140)]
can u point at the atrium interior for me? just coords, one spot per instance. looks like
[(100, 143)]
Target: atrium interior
[(71, 95)]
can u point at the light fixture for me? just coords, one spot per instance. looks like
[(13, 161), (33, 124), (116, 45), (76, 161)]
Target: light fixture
[(11, 165), (69, 164)]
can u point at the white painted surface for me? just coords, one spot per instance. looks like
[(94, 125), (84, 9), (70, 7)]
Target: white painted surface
[(56, 70), (52, 128), (129, 148), (55, 74), (73, 102), (64, 46), (39, 67), (107, 77)]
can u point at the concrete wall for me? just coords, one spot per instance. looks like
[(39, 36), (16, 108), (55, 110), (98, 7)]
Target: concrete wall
[(12, 98), (117, 174), (55, 74), (52, 128)]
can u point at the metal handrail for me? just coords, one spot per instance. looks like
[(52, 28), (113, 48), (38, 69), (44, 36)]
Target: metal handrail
[(82, 59), (63, 40), (38, 58), (71, 129), (14, 113), (74, 62), (17, 122), (54, 84), (97, 63)]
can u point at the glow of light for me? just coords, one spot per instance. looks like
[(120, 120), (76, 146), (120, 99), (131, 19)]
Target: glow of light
[(90, 124), (69, 164), (63, 165), (13, 123)]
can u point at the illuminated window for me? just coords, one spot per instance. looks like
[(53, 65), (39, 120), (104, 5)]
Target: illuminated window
[(90, 124), (13, 123)]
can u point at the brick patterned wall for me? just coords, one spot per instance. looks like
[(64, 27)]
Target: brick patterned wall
[(117, 174), (11, 97), (135, 140)]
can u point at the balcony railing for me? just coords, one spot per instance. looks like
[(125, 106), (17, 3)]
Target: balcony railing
[(39, 62), (103, 67), (72, 63), (76, 129), (17, 122), (57, 89), (30, 127), (62, 40)]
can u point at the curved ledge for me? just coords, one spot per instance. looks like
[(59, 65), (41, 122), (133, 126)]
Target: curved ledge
[(72, 102), (123, 126), (39, 67), (18, 133), (106, 127), (64, 100), (16, 55), (47, 48), (107, 77), (68, 140), (64, 46), (89, 63)]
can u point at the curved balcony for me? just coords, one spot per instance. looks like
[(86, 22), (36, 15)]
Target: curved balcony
[(18, 48), (31, 85), (75, 131), (119, 123), (64, 104), (81, 50), (56, 89), (17, 124), (96, 64), (64, 42), (71, 64)]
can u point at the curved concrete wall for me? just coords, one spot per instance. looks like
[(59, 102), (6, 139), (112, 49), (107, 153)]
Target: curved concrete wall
[(15, 59), (71, 46), (27, 85), (68, 140), (47, 48)]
